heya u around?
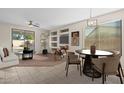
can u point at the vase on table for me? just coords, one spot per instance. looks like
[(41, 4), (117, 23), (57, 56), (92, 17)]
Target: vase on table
[(93, 49)]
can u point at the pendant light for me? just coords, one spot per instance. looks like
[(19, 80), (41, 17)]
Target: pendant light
[(92, 22)]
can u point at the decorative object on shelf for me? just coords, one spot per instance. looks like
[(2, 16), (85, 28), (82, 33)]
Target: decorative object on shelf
[(93, 49), (75, 38), (43, 42), (27, 45), (92, 22)]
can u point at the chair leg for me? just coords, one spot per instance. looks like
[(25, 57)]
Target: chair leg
[(77, 67), (82, 67), (105, 77), (121, 69), (67, 70), (103, 73), (120, 75), (66, 66), (80, 70)]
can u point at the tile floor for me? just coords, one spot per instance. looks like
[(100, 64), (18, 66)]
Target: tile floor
[(48, 75)]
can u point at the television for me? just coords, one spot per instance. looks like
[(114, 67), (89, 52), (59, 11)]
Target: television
[(64, 39)]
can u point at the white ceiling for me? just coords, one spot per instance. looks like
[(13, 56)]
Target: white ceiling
[(49, 17)]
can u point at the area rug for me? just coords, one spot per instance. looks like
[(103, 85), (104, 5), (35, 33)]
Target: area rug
[(39, 61)]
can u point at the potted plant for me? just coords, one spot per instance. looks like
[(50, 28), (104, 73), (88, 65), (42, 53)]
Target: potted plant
[(27, 45)]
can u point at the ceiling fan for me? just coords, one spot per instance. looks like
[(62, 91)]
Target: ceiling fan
[(31, 24)]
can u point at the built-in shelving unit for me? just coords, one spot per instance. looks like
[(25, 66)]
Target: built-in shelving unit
[(54, 40), (44, 40), (59, 38)]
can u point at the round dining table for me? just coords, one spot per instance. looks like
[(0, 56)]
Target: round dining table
[(88, 66)]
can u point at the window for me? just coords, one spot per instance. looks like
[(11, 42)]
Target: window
[(106, 36), (21, 39)]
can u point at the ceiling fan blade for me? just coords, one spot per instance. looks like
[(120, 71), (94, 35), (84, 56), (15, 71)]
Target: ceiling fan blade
[(35, 25)]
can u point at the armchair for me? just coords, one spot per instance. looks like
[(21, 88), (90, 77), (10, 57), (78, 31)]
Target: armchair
[(107, 66)]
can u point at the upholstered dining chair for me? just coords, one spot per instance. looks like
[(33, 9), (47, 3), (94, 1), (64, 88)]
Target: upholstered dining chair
[(72, 59), (66, 58), (115, 52), (107, 66)]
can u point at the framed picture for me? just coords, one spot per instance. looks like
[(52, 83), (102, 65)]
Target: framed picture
[(75, 38)]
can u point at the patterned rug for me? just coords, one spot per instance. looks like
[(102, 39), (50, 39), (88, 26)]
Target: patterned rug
[(40, 61)]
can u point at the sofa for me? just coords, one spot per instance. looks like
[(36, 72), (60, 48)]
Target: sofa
[(9, 60)]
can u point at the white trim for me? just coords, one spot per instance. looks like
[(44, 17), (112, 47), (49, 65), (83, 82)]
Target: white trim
[(109, 21)]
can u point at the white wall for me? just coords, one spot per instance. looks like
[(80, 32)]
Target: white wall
[(5, 35)]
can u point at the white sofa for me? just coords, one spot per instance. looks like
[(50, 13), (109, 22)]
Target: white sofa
[(10, 60)]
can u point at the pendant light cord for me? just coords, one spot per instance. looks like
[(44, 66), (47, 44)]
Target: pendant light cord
[(90, 12)]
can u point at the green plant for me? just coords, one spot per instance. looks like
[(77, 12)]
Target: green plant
[(29, 37)]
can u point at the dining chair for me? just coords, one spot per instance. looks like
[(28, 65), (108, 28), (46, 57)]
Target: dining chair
[(81, 56), (120, 66), (72, 59), (107, 66), (66, 58)]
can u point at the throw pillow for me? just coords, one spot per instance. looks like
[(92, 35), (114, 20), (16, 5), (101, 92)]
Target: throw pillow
[(6, 52)]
